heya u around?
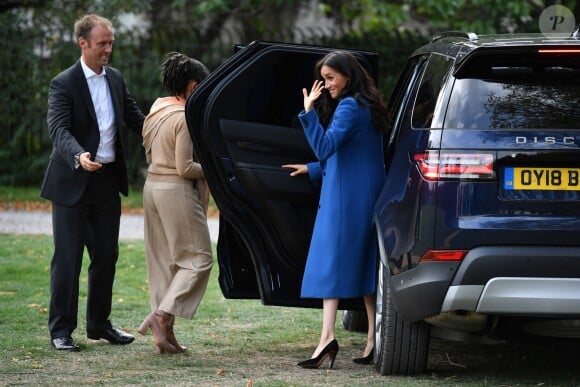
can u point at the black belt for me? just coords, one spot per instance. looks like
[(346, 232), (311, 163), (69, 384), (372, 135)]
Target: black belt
[(105, 167)]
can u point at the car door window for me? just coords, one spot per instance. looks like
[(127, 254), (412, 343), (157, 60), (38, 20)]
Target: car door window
[(430, 91)]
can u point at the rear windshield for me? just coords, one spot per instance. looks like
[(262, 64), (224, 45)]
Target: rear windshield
[(516, 97)]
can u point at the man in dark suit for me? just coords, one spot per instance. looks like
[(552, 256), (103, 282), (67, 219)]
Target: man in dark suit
[(88, 107)]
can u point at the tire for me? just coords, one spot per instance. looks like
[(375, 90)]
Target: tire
[(355, 321), (401, 348)]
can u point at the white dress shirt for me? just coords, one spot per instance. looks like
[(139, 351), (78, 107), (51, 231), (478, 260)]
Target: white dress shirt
[(103, 105)]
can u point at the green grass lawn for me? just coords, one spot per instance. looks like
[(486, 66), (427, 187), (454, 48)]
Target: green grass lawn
[(230, 342), (27, 198)]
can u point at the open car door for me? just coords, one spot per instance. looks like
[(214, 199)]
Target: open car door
[(244, 125)]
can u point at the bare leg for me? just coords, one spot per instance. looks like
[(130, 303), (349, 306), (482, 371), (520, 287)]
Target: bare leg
[(329, 308), (370, 308)]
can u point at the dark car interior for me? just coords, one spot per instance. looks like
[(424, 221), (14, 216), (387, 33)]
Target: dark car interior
[(248, 130)]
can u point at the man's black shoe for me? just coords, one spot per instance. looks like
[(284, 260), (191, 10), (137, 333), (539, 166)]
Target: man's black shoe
[(65, 343), (113, 336)]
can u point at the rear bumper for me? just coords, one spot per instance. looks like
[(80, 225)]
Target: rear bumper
[(482, 264), (517, 296), (418, 293), (530, 280)]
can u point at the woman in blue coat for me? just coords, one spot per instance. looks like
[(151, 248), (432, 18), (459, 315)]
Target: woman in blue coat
[(343, 118)]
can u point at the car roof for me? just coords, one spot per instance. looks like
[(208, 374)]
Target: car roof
[(464, 46), (458, 44)]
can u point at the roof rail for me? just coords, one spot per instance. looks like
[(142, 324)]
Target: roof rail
[(471, 36)]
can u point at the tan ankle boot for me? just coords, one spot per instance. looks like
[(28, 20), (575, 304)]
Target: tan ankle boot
[(155, 322), (171, 336)]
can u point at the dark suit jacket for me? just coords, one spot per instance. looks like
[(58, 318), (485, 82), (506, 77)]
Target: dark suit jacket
[(73, 128)]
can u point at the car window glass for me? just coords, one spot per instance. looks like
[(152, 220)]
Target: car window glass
[(411, 86), (429, 92), (268, 89), (517, 97), (274, 89), (406, 86)]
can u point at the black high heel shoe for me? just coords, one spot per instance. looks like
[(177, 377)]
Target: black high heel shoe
[(368, 359), (329, 351)]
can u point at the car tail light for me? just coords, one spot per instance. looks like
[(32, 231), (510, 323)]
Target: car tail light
[(447, 165), (443, 255), (559, 51)]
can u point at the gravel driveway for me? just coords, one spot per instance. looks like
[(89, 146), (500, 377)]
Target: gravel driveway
[(40, 222)]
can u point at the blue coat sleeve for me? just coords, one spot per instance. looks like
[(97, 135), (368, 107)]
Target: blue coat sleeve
[(341, 128), (314, 171)]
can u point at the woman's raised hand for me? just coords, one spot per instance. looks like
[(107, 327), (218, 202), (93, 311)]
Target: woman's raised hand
[(314, 94)]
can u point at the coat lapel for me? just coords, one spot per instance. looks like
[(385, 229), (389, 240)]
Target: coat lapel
[(83, 88), (115, 96)]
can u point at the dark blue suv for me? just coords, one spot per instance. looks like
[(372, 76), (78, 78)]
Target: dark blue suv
[(478, 223)]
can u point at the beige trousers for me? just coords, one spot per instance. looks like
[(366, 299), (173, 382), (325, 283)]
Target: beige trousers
[(177, 246)]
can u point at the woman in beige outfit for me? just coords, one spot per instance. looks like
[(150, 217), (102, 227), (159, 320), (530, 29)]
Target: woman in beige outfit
[(175, 198)]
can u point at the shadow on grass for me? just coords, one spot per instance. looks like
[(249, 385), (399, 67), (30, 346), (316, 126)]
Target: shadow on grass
[(527, 362)]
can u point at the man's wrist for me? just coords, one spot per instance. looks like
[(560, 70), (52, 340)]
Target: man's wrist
[(78, 160)]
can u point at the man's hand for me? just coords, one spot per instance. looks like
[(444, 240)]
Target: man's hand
[(86, 163)]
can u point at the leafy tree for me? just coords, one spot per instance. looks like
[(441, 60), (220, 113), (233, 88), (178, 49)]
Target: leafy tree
[(480, 16), (37, 42), (212, 19)]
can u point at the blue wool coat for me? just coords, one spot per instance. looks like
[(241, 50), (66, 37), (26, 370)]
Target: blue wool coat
[(341, 260)]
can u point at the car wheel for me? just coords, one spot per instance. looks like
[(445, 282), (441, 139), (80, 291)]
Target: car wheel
[(401, 348), (355, 321)]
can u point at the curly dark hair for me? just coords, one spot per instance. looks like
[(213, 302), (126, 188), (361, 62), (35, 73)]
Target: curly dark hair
[(178, 70), (360, 86)]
